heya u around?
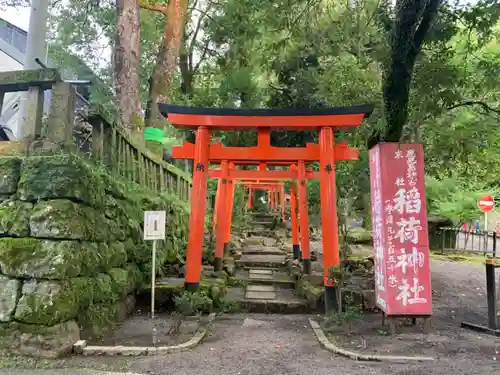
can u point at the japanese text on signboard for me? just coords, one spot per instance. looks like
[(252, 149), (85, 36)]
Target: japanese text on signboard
[(402, 272)]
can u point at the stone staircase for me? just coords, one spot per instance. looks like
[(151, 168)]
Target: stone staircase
[(262, 281), (262, 225), (262, 272)]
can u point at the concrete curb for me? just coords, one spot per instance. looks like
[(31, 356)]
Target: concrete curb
[(328, 345), (81, 347)]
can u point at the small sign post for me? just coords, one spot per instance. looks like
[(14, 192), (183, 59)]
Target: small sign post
[(154, 229), (486, 204)]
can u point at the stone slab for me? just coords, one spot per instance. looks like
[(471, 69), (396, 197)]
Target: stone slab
[(260, 272), (255, 323), (260, 288), (253, 276), (263, 259), (260, 295)]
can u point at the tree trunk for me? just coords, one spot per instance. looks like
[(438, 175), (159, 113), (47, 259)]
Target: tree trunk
[(126, 56), (166, 63), (186, 74), (413, 20)]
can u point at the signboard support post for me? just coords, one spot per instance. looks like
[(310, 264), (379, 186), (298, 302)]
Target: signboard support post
[(154, 229), (153, 279), (486, 203), (153, 282)]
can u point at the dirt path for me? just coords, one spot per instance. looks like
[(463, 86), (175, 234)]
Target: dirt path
[(256, 344), (247, 345)]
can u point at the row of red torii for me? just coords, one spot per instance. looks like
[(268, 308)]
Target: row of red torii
[(204, 153)]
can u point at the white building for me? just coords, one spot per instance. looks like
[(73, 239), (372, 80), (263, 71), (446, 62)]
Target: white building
[(12, 48)]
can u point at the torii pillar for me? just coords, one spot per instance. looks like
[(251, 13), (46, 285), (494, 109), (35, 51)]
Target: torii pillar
[(198, 207), (324, 120), (295, 224)]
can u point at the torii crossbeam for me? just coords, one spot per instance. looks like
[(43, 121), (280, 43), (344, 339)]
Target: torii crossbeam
[(204, 120), (264, 176)]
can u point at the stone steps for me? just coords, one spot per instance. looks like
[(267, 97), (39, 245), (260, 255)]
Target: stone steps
[(261, 233), (260, 292), (261, 250), (261, 261), (260, 241), (262, 223), (266, 276), (272, 299)]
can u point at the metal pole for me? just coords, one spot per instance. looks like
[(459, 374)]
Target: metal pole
[(35, 48), (485, 249), (494, 244), (490, 294), (153, 282)]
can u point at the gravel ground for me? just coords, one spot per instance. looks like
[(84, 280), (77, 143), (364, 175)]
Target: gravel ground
[(253, 344), (138, 329), (459, 294)]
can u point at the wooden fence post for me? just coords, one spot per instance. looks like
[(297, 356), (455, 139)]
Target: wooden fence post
[(62, 114), (32, 123)]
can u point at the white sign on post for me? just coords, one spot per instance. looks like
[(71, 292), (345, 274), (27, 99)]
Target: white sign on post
[(154, 225), (154, 229)]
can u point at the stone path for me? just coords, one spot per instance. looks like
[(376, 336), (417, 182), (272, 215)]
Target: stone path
[(268, 284), (260, 291), (255, 344)]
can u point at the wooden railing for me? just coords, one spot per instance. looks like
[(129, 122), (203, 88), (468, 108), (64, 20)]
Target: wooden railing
[(113, 146), (108, 143)]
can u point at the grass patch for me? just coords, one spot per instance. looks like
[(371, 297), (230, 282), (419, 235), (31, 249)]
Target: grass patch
[(460, 257)]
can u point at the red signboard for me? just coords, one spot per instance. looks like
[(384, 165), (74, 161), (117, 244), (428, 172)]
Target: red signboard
[(486, 203), (400, 238)]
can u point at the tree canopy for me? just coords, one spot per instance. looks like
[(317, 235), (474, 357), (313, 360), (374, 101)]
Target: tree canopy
[(430, 67)]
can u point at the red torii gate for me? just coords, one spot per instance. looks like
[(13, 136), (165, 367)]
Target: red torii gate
[(265, 175), (272, 190), (203, 120)]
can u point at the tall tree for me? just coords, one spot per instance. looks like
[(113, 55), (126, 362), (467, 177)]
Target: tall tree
[(126, 56), (412, 21), (161, 80)]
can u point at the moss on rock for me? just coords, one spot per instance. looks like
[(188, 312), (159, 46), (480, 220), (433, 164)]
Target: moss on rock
[(39, 341), (64, 219), (10, 169), (114, 254), (126, 215), (313, 294), (62, 176), (102, 289), (120, 281), (135, 278), (359, 236), (14, 218), (46, 303), (9, 291), (98, 319), (45, 259)]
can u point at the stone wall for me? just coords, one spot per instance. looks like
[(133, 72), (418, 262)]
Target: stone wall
[(71, 251)]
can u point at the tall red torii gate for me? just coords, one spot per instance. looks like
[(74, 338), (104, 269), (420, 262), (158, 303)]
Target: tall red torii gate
[(204, 120), (265, 176)]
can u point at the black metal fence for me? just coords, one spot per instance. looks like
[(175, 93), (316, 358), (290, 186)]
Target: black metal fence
[(455, 239)]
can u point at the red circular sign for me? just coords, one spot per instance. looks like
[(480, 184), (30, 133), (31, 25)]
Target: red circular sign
[(486, 203)]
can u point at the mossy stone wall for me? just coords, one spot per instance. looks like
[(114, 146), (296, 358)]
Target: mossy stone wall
[(71, 251)]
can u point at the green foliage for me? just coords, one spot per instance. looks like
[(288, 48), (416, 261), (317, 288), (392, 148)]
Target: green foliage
[(339, 276), (324, 53), (453, 199), (347, 317), (189, 304)]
